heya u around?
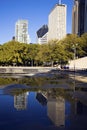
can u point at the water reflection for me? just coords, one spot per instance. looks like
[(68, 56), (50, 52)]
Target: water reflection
[(79, 109), (63, 111), (41, 98), (23, 107), (56, 110), (20, 101), (55, 107)]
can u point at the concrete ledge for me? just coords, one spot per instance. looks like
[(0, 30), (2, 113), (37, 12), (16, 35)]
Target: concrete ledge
[(25, 70)]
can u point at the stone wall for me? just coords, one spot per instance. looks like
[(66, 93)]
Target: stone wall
[(25, 70), (79, 64)]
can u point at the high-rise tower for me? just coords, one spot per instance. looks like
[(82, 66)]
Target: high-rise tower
[(79, 17), (42, 34), (57, 22), (21, 31), (85, 28)]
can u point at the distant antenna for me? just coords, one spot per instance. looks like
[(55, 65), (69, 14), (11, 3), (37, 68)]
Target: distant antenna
[(60, 2)]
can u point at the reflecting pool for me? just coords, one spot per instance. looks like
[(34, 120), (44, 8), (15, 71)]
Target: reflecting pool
[(42, 104)]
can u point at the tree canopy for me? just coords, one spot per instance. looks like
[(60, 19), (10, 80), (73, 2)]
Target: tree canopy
[(55, 51)]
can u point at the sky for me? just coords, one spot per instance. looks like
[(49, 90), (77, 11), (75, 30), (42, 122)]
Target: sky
[(35, 11)]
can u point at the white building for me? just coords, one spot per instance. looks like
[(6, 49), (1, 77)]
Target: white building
[(42, 35), (57, 22), (21, 31), (43, 39)]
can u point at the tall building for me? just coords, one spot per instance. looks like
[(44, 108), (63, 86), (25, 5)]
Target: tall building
[(85, 28), (57, 22), (79, 17), (21, 31), (56, 110), (42, 34)]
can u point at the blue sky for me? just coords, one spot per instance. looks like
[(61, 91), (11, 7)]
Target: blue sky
[(35, 11)]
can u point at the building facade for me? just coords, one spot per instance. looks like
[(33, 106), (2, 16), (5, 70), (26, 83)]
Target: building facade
[(85, 28), (42, 34), (57, 22), (75, 18), (79, 17), (21, 31)]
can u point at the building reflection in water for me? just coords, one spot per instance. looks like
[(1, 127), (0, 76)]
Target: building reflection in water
[(56, 110), (41, 98), (55, 107), (20, 101)]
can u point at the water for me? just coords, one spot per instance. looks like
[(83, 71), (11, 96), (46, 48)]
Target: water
[(42, 104)]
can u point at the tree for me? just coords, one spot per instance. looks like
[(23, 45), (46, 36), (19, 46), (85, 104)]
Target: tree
[(84, 44), (32, 51), (57, 51)]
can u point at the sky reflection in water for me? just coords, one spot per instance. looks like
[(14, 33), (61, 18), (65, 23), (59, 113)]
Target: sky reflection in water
[(41, 109)]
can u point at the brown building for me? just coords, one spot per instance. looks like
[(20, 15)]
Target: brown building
[(79, 17)]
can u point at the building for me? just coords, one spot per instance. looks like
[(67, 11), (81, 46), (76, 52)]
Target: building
[(79, 17), (20, 101), (21, 31), (42, 34), (75, 18), (85, 28), (56, 111), (13, 38), (57, 22)]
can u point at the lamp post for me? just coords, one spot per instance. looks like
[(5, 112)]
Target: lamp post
[(74, 58)]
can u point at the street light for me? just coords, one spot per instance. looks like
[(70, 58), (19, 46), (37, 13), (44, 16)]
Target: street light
[(74, 57)]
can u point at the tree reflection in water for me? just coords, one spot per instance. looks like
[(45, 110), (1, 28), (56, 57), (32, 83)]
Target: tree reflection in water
[(62, 107)]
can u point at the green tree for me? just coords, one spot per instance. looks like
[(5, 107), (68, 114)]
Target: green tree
[(84, 44)]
